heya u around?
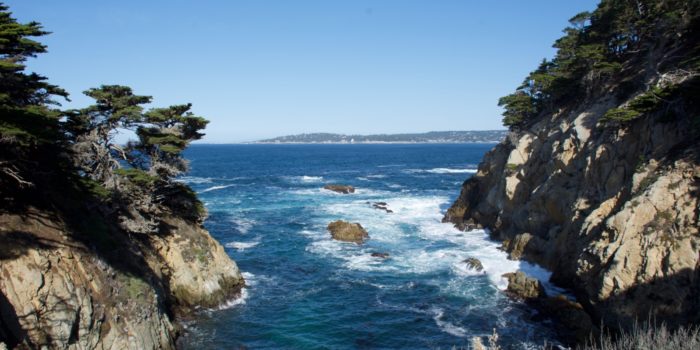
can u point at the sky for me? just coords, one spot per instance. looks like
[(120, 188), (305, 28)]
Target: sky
[(261, 68)]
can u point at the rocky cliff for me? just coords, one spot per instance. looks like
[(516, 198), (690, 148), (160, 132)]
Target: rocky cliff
[(599, 178), (612, 212), (60, 289)]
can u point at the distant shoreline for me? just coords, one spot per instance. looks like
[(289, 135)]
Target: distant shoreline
[(345, 143), (464, 136)]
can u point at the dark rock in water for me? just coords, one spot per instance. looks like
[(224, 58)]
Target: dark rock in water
[(524, 287), (381, 206), (345, 189), (575, 323), (380, 255), (474, 264), (348, 232)]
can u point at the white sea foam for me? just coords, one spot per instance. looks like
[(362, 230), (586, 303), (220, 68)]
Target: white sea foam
[(243, 225), (441, 171), (451, 171), (446, 326), (194, 179), (214, 188), (311, 178), (444, 248), (304, 179), (242, 245), (250, 279), (376, 176), (240, 300)]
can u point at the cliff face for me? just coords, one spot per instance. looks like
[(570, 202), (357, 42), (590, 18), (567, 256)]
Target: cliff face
[(613, 212), (58, 289)]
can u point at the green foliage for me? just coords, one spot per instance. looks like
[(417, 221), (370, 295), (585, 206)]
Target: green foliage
[(71, 156), (646, 103), (170, 129), (137, 177), (94, 188), (519, 107), (116, 105), (18, 88), (595, 50), (619, 115)]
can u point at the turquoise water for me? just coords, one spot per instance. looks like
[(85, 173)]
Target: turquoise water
[(305, 291)]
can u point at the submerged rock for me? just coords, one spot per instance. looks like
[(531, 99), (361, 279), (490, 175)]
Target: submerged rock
[(381, 206), (380, 255), (474, 264), (345, 189), (521, 286), (347, 232)]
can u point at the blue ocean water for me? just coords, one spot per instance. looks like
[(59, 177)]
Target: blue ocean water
[(306, 291)]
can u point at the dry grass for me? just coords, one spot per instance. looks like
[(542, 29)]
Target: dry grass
[(650, 337)]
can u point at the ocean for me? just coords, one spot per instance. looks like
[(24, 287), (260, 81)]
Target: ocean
[(306, 291)]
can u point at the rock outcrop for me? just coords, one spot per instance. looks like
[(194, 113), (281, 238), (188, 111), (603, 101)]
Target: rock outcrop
[(474, 264), (60, 289), (599, 178), (344, 189), (524, 287), (611, 211), (348, 232)]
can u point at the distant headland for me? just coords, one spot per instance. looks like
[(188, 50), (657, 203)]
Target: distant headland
[(473, 136)]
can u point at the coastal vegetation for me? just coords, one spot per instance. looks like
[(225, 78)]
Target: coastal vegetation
[(603, 50), (109, 220), (41, 143)]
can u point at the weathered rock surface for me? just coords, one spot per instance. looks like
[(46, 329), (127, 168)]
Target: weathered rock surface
[(348, 232), (524, 287), (612, 212), (198, 271), (474, 264), (57, 292), (345, 189), (380, 255)]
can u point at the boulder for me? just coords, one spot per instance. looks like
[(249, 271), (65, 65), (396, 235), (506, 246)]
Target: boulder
[(524, 287), (474, 264), (347, 232), (345, 189), (380, 255)]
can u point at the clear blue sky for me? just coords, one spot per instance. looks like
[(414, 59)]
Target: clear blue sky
[(262, 68)]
